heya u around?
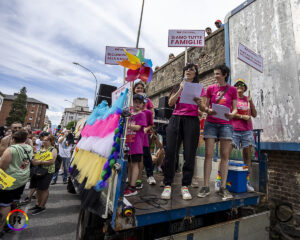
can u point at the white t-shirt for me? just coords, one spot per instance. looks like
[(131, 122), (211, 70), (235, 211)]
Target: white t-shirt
[(64, 150), (39, 144)]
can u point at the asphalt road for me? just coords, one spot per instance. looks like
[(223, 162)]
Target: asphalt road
[(58, 222)]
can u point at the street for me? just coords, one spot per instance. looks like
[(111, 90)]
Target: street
[(58, 222)]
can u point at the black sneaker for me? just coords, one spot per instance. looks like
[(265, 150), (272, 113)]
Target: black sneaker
[(53, 183), (33, 197), (33, 208), (1, 234), (38, 211), (138, 184), (25, 201), (225, 194), (204, 191)]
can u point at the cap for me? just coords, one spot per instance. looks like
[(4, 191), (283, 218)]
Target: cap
[(219, 21), (241, 81), (139, 96)]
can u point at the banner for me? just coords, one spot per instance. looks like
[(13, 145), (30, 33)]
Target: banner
[(114, 54), (186, 38)]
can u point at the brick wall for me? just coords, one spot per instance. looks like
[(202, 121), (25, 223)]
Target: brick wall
[(4, 113), (284, 177)]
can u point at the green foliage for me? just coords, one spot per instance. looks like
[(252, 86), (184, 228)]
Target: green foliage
[(18, 109), (71, 124)]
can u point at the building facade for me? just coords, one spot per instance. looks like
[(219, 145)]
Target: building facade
[(36, 111), (78, 111)]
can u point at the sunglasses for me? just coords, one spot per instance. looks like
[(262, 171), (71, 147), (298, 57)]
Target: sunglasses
[(240, 85)]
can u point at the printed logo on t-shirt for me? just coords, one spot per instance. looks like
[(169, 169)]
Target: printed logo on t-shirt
[(223, 99), (130, 134), (242, 108)]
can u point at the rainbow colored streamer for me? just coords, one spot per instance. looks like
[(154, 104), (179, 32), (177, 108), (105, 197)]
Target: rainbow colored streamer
[(114, 154)]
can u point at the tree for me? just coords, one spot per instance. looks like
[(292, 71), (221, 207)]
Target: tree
[(71, 125), (18, 109)]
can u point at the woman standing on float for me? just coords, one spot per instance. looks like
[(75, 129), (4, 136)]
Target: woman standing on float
[(218, 129), (183, 126)]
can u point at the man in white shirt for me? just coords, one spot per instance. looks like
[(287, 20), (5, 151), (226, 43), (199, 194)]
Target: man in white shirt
[(64, 151), (39, 143)]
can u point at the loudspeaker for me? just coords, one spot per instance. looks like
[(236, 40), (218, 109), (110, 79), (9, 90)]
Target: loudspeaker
[(104, 93), (163, 102), (165, 113)]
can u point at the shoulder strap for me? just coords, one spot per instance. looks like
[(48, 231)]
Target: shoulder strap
[(222, 94), (26, 152)]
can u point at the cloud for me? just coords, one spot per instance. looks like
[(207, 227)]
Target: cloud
[(54, 116), (40, 40)]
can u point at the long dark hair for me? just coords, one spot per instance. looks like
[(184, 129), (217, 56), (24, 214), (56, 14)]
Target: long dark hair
[(138, 83)]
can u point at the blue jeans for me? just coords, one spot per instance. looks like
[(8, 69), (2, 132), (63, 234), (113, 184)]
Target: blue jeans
[(243, 139), (66, 163), (218, 131)]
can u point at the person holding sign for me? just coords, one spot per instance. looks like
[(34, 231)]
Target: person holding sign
[(44, 162), (183, 126), (14, 172), (242, 126), (224, 97)]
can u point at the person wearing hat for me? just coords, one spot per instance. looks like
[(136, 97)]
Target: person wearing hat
[(219, 24), (135, 141), (242, 126)]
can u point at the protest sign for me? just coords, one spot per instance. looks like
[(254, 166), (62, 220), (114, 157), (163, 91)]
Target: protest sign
[(186, 38), (250, 57), (115, 94), (43, 156), (5, 180), (115, 54)]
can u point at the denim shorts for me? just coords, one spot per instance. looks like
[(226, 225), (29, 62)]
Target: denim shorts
[(243, 139), (218, 131)]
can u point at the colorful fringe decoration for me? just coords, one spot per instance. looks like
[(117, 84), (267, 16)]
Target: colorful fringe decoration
[(99, 143), (114, 154)]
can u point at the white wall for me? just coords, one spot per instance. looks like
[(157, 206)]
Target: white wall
[(268, 27)]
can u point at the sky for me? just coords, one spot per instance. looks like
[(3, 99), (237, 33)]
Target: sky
[(40, 40)]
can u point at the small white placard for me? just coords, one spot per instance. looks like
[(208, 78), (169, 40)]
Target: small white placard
[(190, 91), (250, 57), (220, 110)]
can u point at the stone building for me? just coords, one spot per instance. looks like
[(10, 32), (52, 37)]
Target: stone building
[(36, 111)]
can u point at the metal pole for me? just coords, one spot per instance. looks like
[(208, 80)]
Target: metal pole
[(95, 98), (139, 31), (185, 56)]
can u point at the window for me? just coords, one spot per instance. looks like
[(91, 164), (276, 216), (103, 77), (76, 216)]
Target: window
[(30, 118), (33, 105), (31, 111)]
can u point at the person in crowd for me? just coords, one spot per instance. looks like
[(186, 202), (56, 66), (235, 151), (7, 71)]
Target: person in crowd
[(7, 141), (134, 140), (219, 24), (183, 126), (39, 142), (65, 146), (208, 31), (147, 159), (42, 181), (243, 137), (139, 88), (8, 132), (171, 56), (14, 162), (159, 155), (219, 129)]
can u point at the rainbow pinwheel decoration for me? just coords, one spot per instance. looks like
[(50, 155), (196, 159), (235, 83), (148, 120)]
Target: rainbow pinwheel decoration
[(139, 67)]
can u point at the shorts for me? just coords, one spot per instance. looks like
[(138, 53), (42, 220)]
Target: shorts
[(135, 158), (7, 197), (218, 131), (41, 183), (243, 139)]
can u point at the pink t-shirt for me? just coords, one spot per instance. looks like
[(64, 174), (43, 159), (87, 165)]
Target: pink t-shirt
[(213, 92), (149, 120), (242, 108), (149, 104), (135, 139), (184, 109)]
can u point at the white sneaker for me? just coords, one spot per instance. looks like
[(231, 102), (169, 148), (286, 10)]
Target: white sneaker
[(195, 183), (166, 194), (217, 185), (151, 180), (249, 187), (185, 193)]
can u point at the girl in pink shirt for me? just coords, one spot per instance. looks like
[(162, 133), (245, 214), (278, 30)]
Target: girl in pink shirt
[(139, 88)]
